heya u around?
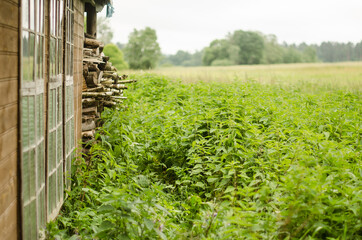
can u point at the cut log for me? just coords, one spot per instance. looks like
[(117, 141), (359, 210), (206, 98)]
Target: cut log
[(107, 82), (118, 86), (105, 58), (89, 111), (96, 89), (110, 74), (91, 43), (100, 76), (92, 79), (88, 134), (118, 97), (88, 125), (127, 81), (89, 102), (109, 103), (96, 94)]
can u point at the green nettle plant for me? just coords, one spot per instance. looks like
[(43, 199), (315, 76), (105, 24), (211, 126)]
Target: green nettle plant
[(220, 161)]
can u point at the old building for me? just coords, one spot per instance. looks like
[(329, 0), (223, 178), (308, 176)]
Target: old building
[(41, 45)]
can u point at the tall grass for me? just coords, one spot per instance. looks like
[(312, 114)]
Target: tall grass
[(305, 76)]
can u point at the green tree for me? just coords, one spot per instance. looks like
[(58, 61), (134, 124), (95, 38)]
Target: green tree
[(251, 46), (273, 52), (115, 56), (142, 50), (218, 50)]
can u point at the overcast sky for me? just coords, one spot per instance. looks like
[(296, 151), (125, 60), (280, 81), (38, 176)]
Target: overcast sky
[(192, 24)]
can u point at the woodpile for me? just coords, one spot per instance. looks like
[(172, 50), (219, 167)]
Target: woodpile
[(102, 87)]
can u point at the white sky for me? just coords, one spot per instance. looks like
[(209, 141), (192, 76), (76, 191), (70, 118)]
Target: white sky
[(192, 24)]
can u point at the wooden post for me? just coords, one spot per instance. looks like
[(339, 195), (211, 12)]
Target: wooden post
[(91, 20)]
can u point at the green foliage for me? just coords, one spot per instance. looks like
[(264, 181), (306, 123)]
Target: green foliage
[(115, 56), (183, 58), (142, 50), (250, 44), (221, 161)]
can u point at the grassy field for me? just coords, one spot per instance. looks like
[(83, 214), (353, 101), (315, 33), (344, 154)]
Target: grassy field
[(222, 154), (307, 76)]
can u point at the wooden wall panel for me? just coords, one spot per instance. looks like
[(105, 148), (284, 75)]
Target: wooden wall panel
[(9, 59), (78, 68)]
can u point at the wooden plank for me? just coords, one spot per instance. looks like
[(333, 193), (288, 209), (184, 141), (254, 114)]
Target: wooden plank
[(8, 117), (9, 14), (8, 143), (8, 169), (8, 194), (9, 67), (8, 92), (8, 222), (9, 40)]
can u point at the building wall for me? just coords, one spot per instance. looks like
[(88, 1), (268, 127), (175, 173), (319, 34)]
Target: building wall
[(9, 51), (78, 69)]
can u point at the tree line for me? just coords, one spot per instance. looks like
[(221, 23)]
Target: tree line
[(248, 47), (240, 47)]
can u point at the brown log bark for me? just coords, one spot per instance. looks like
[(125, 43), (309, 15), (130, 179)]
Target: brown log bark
[(88, 134), (128, 81), (96, 89), (91, 43), (92, 79), (89, 102), (89, 111), (88, 125)]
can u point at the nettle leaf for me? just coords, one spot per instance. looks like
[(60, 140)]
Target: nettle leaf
[(106, 225), (229, 189), (199, 184), (106, 209), (212, 180)]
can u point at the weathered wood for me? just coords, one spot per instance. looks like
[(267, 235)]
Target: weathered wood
[(117, 97), (89, 111), (105, 58), (96, 89), (88, 125), (109, 103), (117, 86), (128, 81), (89, 102), (110, 74), (97, 94), (92, 79), (88, 134), (107, 82), (92, 60), (91, 43), (91, 20)]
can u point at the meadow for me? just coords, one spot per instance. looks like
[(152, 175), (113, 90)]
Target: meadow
[(249, 152), (308, 76)]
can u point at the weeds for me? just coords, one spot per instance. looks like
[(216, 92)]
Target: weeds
[(221, 161)]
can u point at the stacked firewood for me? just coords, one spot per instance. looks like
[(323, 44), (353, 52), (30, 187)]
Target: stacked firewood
[(102, 87)]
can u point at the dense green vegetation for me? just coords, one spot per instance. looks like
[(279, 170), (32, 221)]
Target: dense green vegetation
[(238, 160), (247, 47), (115, 56)]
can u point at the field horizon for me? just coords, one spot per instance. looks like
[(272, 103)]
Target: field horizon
[(306, 76)]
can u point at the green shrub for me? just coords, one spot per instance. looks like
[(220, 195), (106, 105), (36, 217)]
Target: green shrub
[(115, 56)]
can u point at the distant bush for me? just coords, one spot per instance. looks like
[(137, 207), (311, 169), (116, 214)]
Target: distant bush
[(115, 56), (222, 62)]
